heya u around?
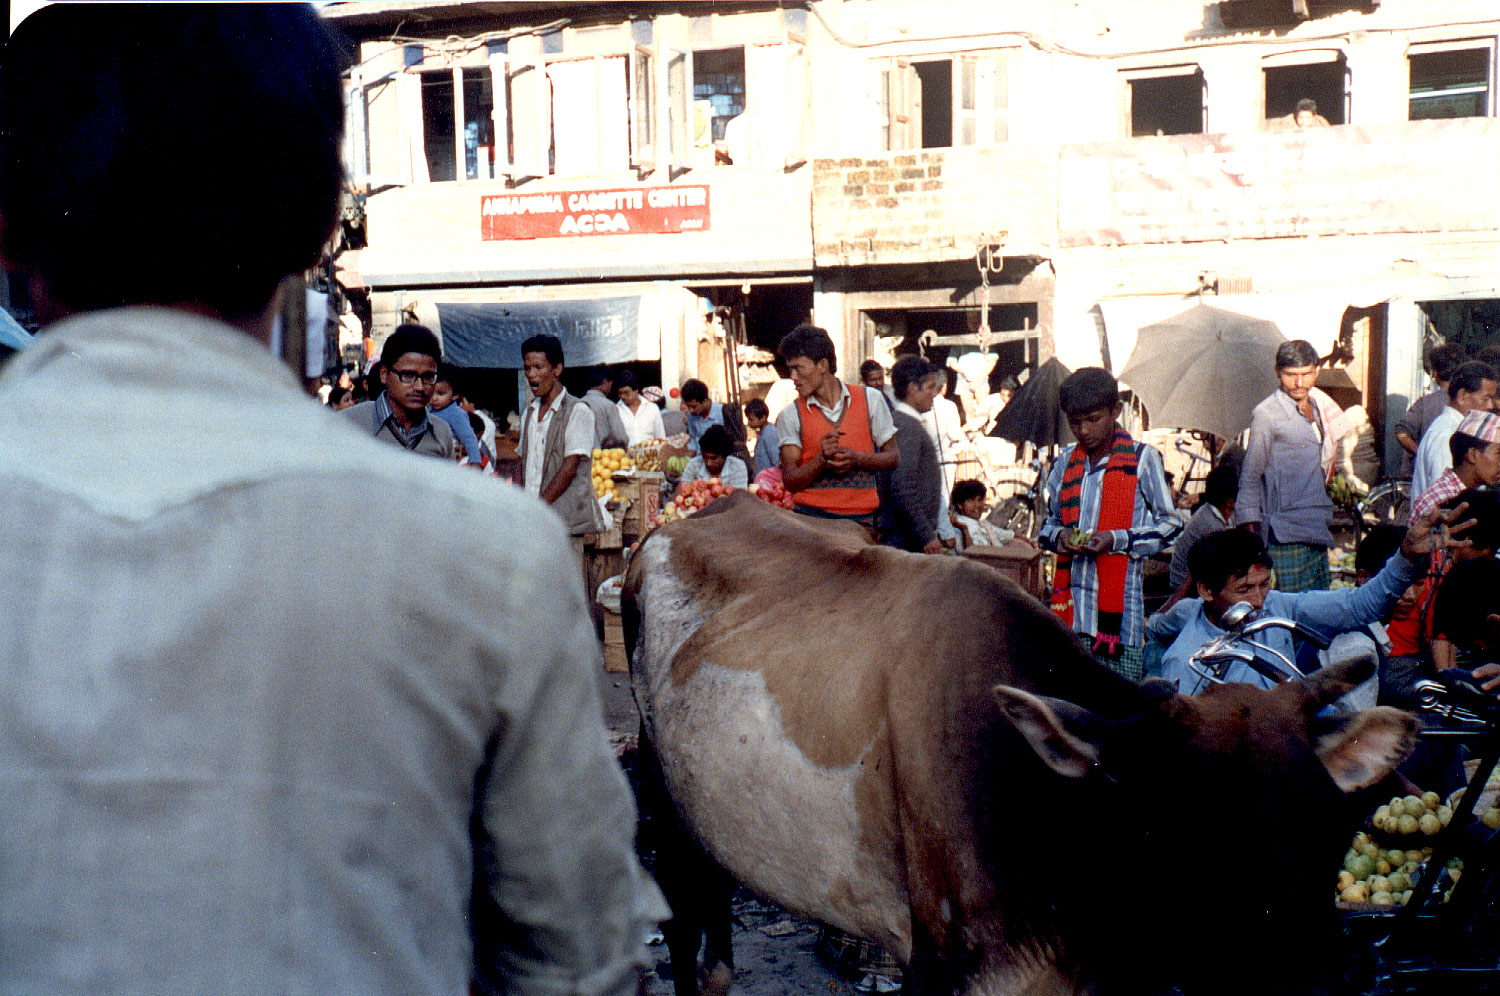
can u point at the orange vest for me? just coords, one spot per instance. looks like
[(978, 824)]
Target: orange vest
[(840, 494)]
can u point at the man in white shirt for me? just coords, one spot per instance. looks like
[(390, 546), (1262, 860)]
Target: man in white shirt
[(640, 416), (225, 769), (557, 441), (1471, 389)]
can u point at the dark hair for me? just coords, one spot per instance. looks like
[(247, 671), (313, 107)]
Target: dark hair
[(1469, 377), (694, 390), (1229, 553), (1490, 356), (868, 367), (809, 342), (909, 370), (1379, 546), (448, 373), (548, 345), (1295, 353), (1484, 509), (756, 408), (965, 490), (1088, 390), (371, 382), (628, 379), (598, 375), (1445, 359), (339, 394), (118, 125), (716, 440), (1465, 600), (1306, 104), (1221, 485), (477, 424), (410, 339), (1459, 445)]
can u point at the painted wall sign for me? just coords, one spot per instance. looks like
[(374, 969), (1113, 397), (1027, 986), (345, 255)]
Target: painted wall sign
[(554, 214)]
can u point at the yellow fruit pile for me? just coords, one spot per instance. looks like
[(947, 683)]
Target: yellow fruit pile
[(605, 463)]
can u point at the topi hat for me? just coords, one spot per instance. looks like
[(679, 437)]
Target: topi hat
[(1481, 425)]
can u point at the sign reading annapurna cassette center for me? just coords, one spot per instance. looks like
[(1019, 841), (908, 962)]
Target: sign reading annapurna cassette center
[(629, 211)]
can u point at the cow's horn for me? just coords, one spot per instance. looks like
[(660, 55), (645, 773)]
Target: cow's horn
[(1328, 683)]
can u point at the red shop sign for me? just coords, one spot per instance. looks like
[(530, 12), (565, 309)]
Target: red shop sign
[(628, 211)]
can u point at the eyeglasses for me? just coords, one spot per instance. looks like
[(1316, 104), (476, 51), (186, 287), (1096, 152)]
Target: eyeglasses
[(410, 376)]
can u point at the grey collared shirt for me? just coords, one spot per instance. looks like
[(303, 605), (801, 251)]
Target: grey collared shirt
[(1283, 481), (250, 704)]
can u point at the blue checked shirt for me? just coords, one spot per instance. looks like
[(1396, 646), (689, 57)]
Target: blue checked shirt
[(1151, 531)]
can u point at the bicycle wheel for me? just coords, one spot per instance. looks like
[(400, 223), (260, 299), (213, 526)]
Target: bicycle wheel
[(1388, 504), (1016, 515)]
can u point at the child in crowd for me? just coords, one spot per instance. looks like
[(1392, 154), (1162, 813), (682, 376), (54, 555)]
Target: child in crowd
[(966, 510), (714, 460), (1109, 509), (442, 406), (767, 439)]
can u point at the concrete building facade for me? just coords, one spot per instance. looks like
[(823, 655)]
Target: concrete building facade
[(1059, 172)]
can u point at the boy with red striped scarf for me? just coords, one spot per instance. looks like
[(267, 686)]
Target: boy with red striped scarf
[(1108, 508)]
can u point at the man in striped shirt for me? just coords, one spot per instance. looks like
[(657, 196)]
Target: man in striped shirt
[(1475, 448)]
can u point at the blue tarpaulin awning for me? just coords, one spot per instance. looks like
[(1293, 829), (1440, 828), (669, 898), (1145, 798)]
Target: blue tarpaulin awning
[(601, 330)]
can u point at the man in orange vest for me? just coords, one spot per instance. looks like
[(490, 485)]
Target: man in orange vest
[(835, 437)]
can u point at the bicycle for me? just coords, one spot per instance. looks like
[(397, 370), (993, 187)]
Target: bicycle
[(1435, 945), (1024, 512)]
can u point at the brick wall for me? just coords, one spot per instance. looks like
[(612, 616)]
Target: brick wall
[(932, 204)]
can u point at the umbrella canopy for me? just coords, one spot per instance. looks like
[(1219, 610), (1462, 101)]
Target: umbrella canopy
[(1033, 414), (1204, 369)]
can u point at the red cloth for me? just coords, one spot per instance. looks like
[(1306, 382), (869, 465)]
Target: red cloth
[(1116, 511)]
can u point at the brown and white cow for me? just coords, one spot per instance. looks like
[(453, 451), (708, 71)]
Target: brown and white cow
[(911, 749)]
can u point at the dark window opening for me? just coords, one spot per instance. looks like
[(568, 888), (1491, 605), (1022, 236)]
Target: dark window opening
[(1450, 85), (437, 126), (479, 125), (718, 90), (1167, 105), (1322, 83), (936, 82)]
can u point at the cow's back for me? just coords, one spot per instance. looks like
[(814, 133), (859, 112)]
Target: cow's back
[(806, 693)]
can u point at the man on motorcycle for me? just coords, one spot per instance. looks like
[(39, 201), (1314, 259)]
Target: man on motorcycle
[(1234, 566)]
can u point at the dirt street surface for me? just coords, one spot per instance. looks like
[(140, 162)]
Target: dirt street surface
[(773, 951)]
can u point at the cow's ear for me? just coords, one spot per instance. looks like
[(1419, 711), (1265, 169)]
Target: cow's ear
[(1045, 723), (1360, 750)]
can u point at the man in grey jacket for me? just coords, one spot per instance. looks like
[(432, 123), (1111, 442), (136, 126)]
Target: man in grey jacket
[(222, 772), (912, 495), (1283, 494)]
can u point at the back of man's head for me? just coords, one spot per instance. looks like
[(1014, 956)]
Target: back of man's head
[(716, 440), (1088, 390), (410, 339), (1379, 545), (599, 376), (1445, 359), (1221, 486), (1484, 509), (1464, 611), (1296, 353), (908, 372), (809, 342), (1469, 377), (169, 154), (1230, 553)]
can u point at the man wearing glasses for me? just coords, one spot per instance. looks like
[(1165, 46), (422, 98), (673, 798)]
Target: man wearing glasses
[(408, 370)]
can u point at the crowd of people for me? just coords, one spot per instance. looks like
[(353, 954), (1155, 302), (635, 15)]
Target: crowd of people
[(247, 749)]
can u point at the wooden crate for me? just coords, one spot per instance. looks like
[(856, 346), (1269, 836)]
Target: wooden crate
[(1022, 566), (615, 659), (644, 492)]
